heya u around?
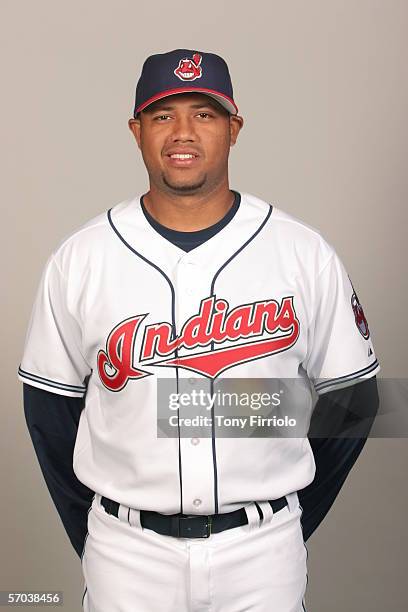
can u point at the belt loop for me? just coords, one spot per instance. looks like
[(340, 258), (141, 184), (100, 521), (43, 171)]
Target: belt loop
[(133, 517), (123, 513), (293, 501), (266, 511), (253, 516)]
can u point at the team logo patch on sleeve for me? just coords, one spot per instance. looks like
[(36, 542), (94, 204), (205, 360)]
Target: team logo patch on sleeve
[(359, 316), (189, 69)]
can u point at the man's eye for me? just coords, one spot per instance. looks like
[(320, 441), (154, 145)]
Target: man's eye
[(205, 114), (160, 117)]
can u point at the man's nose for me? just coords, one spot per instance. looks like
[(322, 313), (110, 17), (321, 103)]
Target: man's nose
[(183, 129)]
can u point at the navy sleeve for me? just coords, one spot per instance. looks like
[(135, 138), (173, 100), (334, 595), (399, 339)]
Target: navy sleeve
[(346, 417), (52, 421)]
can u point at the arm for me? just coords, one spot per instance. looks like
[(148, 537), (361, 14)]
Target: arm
[(52, 422), (349, 412)]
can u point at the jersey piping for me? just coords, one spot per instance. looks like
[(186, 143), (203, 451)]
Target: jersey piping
[(334, 382), (216, 275), (173, 325), (51, 383)]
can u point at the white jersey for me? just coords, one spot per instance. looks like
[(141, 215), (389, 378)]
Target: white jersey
[(119, 307)]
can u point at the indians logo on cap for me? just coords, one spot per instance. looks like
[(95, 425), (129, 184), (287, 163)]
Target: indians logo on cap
[(189, 69), (359, 316)]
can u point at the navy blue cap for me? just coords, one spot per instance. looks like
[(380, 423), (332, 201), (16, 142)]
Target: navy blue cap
[(181, 71)]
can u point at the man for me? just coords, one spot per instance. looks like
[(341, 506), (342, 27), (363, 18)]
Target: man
[(187, 286)]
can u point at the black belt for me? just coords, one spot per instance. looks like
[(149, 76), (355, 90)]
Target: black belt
[(192, 525)]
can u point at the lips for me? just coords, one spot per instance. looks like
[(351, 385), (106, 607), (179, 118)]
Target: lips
[(182, 162), (182, 158), (179, 151)]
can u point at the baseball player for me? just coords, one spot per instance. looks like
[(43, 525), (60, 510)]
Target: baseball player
[(188, 285)]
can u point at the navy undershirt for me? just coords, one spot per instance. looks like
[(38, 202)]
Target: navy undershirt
[(53, 422), (190, 240)]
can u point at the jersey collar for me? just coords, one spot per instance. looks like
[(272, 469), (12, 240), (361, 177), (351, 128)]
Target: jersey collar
[(132, 228)]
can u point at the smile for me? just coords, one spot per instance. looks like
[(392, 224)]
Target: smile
[(182, 160)]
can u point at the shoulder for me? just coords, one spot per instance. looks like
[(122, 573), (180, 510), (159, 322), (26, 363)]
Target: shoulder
[(290, 233), (89, 240)]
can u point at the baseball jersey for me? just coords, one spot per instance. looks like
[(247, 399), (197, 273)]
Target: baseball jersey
[(118, 307)]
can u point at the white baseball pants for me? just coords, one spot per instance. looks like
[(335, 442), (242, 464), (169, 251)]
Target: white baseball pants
[(259, 567)]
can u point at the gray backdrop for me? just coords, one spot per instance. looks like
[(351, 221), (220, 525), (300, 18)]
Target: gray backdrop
[(322, 86)]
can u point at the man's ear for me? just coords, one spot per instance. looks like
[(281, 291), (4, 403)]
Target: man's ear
[(236, 124), (134, 126)]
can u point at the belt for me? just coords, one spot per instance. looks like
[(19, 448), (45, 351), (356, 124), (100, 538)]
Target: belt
[(192, 525)]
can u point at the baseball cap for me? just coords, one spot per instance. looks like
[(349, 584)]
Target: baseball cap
[(182, 71)]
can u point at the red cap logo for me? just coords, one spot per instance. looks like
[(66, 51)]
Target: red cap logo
[(189, 69)]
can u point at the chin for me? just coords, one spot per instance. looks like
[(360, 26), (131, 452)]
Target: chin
[(184, 186)]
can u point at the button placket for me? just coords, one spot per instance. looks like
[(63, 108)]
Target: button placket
[(196, 452)]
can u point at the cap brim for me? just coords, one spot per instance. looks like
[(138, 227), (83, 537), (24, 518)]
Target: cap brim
[(225, 101)]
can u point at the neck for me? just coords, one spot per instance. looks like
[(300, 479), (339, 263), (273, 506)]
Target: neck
[(189, 213)]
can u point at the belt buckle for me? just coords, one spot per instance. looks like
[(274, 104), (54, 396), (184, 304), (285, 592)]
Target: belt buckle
[(198, 526)]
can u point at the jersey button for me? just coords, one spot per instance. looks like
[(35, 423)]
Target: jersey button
[(195, 441), (197, 502)]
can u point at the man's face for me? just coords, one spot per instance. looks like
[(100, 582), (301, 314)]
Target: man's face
[(185, 141)]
